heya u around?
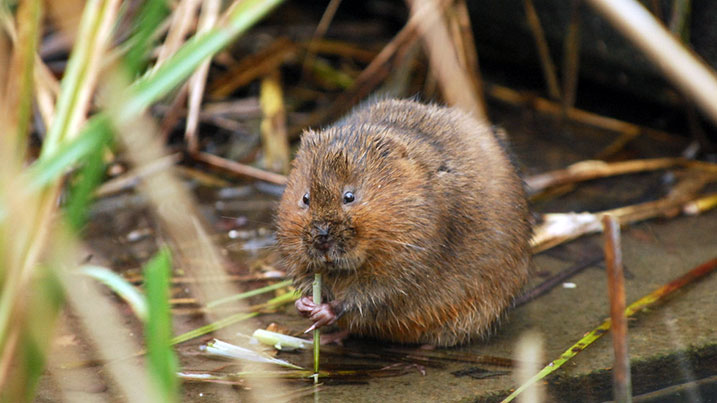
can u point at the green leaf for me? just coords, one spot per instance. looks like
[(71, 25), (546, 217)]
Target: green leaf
[(248, 294), (122, 287), (147, 21), (48, 168), (158, 329), (82, 191)]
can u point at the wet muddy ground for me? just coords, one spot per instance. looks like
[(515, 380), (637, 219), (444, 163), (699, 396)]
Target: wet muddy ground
[(672, 343)]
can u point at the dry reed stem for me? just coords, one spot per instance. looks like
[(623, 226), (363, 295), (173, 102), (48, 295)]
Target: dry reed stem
[(207, 19), (18, 102), (541, 44), (571, 57), (680, 65), (528, 356), (174, 112), (343, 49), (275, 141), (593, 169), (374, 73), (560, 228), (47, 88), (133, 178), (616, 291), (543, 105), (701, 205), (183, 19), (455, 84), (462, 35), (320, 31), (253, 67), (241, 170), (24, 225)]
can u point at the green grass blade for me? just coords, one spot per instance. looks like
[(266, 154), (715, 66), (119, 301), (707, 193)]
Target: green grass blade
[(45, 302), (158, 329), (148, 20), (80, 74), (48, 168), (248, 294), (230, 320), (122, 287), (195, 51), (81, 192)]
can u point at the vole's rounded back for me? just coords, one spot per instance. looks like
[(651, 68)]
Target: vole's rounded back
[(415, 217)]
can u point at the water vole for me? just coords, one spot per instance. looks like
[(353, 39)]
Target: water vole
[(416, 219)]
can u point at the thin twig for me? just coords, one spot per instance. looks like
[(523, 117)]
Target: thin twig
[(616, 291), (253, 67), (553, 281), (207, 19), (546, 62), (182, 22), (320, 31), (543, 105), (571, 58), (240, 169), (134, 177)]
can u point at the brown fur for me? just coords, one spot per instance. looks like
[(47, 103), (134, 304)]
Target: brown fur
[(435, 245)]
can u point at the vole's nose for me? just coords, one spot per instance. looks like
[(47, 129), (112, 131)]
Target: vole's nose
[(322, 240)]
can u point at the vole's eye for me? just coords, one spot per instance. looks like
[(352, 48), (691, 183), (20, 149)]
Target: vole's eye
[(349, 197), (305, 199)]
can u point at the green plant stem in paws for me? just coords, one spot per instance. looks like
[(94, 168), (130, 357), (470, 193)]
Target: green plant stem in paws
[(158, 329), (317, 339)]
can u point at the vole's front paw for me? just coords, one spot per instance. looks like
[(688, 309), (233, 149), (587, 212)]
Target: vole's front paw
[(321, 315), (305, 306)]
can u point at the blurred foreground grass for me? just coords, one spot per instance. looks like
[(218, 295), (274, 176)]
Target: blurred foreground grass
[(39, 248)]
